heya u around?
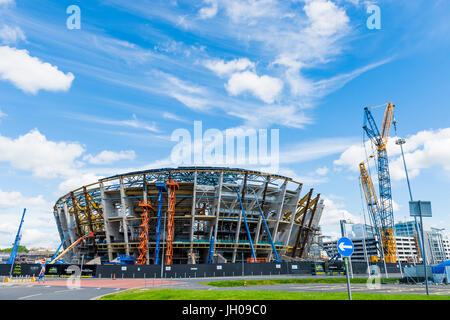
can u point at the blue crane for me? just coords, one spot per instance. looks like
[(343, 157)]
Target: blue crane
[(15, 248), (246, 226), (161, 188), (385, 208), (211, 250)]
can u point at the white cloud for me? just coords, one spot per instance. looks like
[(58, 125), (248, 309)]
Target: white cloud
[(44, 158), (333, 212), (76, 181), (247, 10), (192, 96), (14, 198), (2, 114), (127, 51), (132, 123), (223, 68), (171, 116), (38, 227), (423, 150), (264, 116), (307, 151), (325, 17), (31, 74), (209, 11), (265, 87), (322, 171), (192, 102), (107, 157), (10, 35), (5, 2)]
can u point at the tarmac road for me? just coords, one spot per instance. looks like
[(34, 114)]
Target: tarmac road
[(92, 288), (47, 292)]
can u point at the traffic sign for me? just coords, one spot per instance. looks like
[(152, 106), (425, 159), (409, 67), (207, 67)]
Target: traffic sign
[(345, 247), (420, 208)]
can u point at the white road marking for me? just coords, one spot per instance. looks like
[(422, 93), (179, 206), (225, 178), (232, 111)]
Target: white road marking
[(63, 290), (33, 295)]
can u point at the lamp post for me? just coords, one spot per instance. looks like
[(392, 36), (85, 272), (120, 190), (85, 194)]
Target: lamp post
[(401, 142), (424, 254)]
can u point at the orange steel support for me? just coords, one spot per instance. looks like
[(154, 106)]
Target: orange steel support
[(143, 237), (172, 186), (255, 260)]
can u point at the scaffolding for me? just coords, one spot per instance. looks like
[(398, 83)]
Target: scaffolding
[(143, 237)]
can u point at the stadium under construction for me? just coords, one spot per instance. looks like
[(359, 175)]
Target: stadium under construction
[(189, 215)]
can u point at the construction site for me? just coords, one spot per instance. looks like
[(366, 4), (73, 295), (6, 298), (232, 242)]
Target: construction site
[(218, 221), (189, 215)]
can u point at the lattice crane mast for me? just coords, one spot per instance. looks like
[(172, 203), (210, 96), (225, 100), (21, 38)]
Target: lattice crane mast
[(385, 216), (16, 245), (372, 203)]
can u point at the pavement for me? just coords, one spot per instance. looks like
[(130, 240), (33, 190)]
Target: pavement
[(88, 289)]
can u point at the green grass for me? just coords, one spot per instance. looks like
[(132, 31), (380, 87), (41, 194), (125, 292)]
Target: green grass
[(240, 283), (180, 294)]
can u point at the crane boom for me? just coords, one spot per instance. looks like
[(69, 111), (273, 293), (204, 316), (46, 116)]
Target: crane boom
[(15, 248), (385, 207), (90, 234)]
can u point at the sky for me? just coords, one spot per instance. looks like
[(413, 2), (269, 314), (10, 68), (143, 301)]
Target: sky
[(81, 102)]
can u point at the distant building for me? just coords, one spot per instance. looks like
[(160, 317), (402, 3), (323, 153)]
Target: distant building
[(436, 245), (405, 229), (4, 257), (407, 249), (362, 231), (365, 244)]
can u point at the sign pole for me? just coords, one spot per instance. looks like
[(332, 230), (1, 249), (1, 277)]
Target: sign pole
[(421, 208), (424, 256), (349, 290), (345, 248)]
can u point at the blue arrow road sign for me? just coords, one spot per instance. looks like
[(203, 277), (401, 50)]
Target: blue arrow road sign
[(345, 247)]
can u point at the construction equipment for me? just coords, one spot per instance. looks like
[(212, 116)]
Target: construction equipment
[(161, 188), (372, 204), (87, 235), (246, 226), (384, 215), (211, 250), (15, 248), (173, 186), (62, 242), (277, 258), (143, 236)]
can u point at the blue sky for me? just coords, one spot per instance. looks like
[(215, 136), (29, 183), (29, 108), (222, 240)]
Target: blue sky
[(86, 103)]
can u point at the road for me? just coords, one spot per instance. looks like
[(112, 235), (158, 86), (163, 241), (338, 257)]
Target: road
[(91, 288), (47, 292)]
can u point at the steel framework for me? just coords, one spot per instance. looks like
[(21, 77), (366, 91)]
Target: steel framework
[(269, 207)]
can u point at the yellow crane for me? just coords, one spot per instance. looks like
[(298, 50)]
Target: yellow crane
[(382, 209)]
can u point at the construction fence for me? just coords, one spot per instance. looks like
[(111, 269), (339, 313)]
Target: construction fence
[(193, 270)]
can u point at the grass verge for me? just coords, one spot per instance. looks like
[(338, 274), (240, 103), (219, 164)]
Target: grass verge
[(240, 283), (181, 294)]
